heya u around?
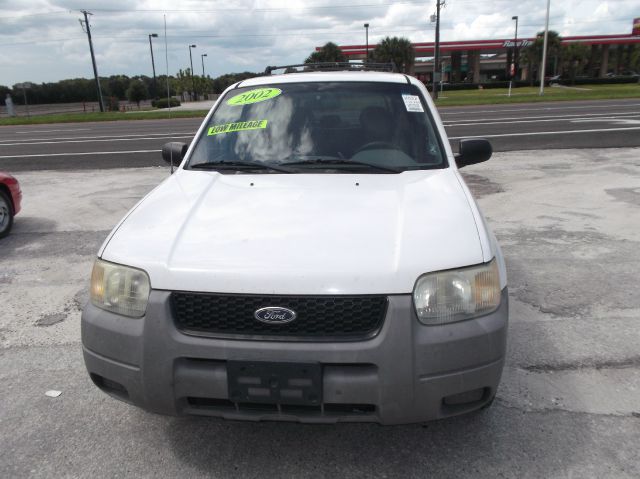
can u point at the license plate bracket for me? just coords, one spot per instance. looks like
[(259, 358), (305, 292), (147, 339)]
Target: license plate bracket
[(275, 382)]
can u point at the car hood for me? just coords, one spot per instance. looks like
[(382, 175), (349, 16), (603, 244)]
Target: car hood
[(298, 233)]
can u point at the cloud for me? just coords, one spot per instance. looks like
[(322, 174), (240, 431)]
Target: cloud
[(41, 40)]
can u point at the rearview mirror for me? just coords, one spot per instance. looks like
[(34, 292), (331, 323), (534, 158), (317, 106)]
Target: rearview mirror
[(472, 151), (173, 152)]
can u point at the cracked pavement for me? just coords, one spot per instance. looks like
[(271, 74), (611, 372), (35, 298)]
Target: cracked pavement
[(568, 405)]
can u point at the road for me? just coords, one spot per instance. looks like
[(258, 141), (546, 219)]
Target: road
[(606, 123), (593, 124), (569, 401)]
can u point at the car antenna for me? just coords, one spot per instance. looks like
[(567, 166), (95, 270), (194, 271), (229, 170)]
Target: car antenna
[(166, 61)]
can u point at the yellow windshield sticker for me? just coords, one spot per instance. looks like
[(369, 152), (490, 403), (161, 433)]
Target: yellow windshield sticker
[(238, 126), (254, 96)]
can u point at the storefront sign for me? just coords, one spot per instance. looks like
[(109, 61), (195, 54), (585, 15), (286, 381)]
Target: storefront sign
[(521, 43)]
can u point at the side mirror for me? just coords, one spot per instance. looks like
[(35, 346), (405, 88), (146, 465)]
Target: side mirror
[(472, 151), (173, 152)]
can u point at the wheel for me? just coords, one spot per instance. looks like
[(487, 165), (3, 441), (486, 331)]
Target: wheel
[(6, 214)]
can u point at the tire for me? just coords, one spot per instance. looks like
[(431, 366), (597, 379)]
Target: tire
[(6, 214)]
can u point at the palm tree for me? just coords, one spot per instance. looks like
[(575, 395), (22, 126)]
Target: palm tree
[(532, 54), (330, 52), (396, 50)]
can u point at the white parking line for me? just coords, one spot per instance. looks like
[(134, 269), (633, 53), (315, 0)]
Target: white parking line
[(141, 136), (80, 154), (538, 133), (26, 132), (589, 107), (533, 119), (95, 140), (618, 121)]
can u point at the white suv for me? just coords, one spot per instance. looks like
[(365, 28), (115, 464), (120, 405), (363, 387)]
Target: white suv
[(316, 257)]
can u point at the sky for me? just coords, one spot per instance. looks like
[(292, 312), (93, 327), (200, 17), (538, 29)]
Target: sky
[(43, 41)]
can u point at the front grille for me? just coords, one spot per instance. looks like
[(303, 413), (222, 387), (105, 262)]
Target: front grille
[(318, 317), (325, 409)]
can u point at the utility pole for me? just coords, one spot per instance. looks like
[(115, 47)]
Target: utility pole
[(93, 57), (436, 59), (544, 49), (153, 65), (25, 86)]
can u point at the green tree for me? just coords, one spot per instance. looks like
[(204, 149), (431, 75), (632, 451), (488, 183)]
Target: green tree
[(396, 50), (162, 86), (634, 58), (330, 52), (181, 83), (532, 54), (3, 93), (223, 81), (574, 57), (118, 85), (137, 92)]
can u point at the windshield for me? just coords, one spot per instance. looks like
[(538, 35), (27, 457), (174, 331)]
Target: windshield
[(369, 127)]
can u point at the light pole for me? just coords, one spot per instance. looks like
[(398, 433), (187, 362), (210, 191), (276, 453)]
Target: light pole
[(153, 65), (202, 58), (193, 85), (515, 49), (366, 34), (203, 82)]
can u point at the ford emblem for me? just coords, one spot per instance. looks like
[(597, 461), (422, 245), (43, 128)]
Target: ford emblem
[(275, 315)]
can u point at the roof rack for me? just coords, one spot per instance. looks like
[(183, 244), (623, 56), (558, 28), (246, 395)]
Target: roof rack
[(334, 66)]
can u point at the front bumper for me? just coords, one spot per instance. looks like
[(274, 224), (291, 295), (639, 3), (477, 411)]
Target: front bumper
[(16, 196), (407, 373)]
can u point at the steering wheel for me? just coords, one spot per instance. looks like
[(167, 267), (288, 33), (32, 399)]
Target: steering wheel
[(377, 145)]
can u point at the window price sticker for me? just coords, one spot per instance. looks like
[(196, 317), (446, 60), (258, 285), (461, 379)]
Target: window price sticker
[(412, 103)]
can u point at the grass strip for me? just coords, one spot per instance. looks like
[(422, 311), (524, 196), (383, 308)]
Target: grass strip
[(500, 96), (97, 116)]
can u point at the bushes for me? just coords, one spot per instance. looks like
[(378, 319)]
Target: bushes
[(164, 103), (521, 83), (476, 86), (603, 81)]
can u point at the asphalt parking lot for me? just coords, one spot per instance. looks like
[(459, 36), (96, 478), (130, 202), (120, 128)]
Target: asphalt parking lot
[(568, 406)]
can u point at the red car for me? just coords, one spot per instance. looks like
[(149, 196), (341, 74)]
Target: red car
[(10, 197)]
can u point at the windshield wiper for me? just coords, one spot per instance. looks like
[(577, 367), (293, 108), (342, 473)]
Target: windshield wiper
[(340, 162), (238, 165)]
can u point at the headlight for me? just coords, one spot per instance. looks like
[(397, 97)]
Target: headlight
[(119, 289), (454, 295)]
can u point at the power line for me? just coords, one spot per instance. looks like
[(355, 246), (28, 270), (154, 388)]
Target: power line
[(253, 10), (57, 12), (219, 10), (137, 37), (130, 38), (34, 42)]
